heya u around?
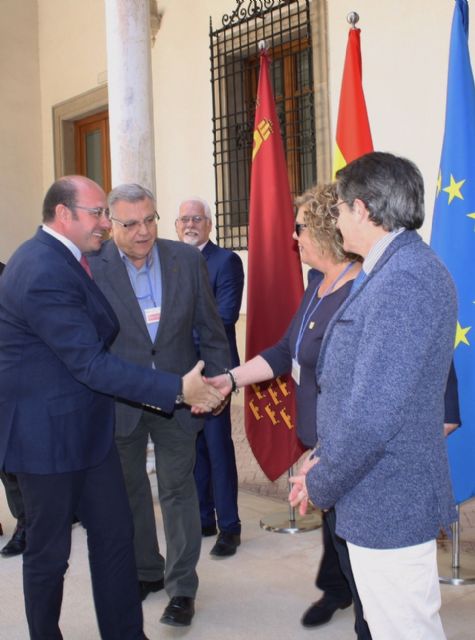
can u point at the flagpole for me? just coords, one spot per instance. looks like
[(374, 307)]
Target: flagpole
[(450, 569), (271, 219), (295, 523)]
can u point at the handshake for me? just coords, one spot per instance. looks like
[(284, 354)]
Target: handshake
[(206, 394)]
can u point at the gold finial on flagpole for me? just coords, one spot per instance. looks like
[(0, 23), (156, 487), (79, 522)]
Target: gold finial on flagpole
[(352, 18)]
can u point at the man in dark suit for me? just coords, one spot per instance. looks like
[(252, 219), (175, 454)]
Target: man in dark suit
[(215, 468), (16, 545), (57, 383), (160, 292)]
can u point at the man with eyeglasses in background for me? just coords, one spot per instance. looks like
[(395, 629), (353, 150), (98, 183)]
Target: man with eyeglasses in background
[(160, 292), (57, 383), (215, 469)]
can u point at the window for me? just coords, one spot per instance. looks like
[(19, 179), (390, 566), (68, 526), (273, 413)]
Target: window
[(285, 25), (91, 143), (65, 117)]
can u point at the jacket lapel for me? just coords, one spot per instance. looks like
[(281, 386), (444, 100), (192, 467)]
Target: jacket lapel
[(400, 241), (116, 274), (56, 245), (208, 249), (169, 268)]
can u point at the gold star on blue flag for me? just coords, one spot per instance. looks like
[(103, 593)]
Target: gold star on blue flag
[(453, 238)]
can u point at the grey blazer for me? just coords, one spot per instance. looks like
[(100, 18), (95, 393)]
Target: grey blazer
[(187, 303), (382, 374)]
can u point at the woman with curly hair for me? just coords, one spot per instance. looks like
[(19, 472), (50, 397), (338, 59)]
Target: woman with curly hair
[(333, 271)]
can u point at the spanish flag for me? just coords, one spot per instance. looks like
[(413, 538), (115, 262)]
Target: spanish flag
[(353, 135), (274, 287)]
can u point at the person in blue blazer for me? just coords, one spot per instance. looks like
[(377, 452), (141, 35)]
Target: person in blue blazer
[(381, 457), (58, 381), (215, 467)]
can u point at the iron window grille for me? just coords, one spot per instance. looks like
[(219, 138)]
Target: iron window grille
[(285, 27)]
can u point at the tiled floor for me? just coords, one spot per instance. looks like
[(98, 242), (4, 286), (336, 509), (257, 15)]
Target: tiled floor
[(258, 594)]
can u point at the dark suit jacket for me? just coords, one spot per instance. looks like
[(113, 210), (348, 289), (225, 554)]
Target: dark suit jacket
[(226, 276), (187, 302), (57, 378)]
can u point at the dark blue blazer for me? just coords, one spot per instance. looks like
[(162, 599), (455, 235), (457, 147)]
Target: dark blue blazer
[(226, 276), (57, 377)]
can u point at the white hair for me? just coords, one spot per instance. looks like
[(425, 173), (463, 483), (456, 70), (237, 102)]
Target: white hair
[(203, 203)]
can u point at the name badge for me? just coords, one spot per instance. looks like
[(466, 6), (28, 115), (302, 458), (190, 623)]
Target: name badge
[(295, 371), (152, 315)]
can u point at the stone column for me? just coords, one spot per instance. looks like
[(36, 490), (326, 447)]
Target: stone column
[(130, 92)]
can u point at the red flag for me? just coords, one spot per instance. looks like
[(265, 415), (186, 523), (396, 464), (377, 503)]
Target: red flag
[(353, 135), (274, 288)]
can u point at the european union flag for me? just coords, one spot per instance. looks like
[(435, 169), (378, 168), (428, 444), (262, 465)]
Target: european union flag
[(453, 238)]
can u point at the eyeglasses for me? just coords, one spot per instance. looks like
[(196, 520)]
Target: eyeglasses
[(335, 208), (299, 227), (187, 219), (95, 211), (134, 224)]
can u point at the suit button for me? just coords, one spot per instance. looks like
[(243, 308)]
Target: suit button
[(319, 389), (154, 352)]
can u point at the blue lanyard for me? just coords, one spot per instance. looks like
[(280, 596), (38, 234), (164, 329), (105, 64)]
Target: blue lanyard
[(310, 311)]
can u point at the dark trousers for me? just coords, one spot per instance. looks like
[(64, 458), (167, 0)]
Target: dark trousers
[(174, 461), (14, 497), (335, 576), (216, 474), (97, 495)]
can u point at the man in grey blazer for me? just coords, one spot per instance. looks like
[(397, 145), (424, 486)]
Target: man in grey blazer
[(159, 290), (382, 372)]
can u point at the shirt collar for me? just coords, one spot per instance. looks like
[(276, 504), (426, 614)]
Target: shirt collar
[(379, 248), (66, 241), (148, 261)]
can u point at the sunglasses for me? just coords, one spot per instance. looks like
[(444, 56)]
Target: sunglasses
[(299, 227)]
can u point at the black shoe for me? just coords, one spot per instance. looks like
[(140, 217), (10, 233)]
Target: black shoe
[(322, 611), (148, 586), (226, 544), (17, 543), (206, 532), (179, 611)]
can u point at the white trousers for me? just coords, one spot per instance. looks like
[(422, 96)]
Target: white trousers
[(399, 591)]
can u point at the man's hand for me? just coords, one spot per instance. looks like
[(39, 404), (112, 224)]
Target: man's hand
[(200, 395), (298, 495), (222, 383), (450, 427)]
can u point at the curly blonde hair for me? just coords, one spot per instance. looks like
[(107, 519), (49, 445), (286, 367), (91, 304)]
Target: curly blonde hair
[(317, 203)]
